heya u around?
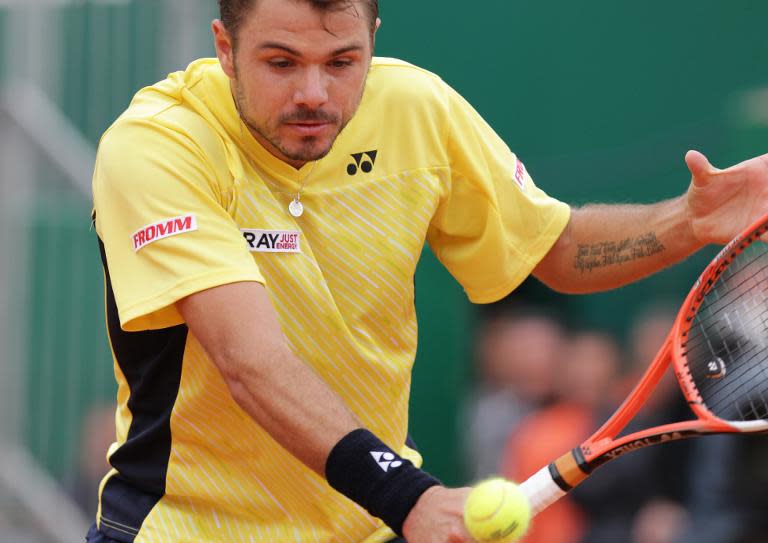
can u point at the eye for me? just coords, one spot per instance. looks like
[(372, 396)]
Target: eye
[(280, 63), (340, 63)]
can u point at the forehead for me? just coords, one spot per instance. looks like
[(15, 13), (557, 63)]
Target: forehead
[(298, 23)]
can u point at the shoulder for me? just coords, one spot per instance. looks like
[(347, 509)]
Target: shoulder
[(165, 116), (403, 104), (401, 73), (398, 80), (166, 133)]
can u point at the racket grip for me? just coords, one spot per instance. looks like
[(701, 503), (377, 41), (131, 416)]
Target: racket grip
[(541, 491)]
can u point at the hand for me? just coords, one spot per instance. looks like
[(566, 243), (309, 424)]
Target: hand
[(722, 203), (438, 517)]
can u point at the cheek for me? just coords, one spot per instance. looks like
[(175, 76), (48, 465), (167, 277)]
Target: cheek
[(265, 101), (350, 92), (261, 87)]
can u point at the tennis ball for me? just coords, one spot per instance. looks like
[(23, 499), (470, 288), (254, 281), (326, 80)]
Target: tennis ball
[(497, 511)]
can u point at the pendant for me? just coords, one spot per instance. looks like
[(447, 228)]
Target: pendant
[(296, 208)]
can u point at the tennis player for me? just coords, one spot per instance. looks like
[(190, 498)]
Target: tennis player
[(260, 217)]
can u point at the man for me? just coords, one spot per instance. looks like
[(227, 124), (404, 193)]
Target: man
[(261, 217)]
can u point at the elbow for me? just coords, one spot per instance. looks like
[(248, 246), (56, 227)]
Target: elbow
[(239, 391), (560, 271), (235, 373), (554, 269), (561, 283), (553, 283), (244, 371), (239, 371)]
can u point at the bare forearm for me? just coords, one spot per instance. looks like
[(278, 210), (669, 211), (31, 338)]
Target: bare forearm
[(279, 391), (607, 246), (295, 407), (239, 328)]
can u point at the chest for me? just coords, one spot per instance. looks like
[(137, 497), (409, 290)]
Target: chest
[(355, 246)]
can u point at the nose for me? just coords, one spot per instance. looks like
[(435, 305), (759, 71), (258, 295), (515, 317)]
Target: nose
[(312, 91)]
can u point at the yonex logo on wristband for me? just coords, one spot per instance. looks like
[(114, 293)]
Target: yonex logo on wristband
[(388, 490), (386, 460)]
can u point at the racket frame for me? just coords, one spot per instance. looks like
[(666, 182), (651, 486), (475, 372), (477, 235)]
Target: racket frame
[(555, 480)]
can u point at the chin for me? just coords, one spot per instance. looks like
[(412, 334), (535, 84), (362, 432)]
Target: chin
[(308, 153)]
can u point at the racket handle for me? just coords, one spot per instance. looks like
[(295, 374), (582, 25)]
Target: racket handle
[(541, 490)]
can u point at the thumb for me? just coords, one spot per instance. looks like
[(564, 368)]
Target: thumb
[(700, 167)]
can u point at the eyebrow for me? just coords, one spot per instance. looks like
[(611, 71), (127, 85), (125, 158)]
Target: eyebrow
[(295, 53)]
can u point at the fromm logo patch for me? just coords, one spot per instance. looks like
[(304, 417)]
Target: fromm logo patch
[(163, 229)]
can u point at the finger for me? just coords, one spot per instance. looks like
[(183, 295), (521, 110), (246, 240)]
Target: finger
[(700, 167), (460, 537)]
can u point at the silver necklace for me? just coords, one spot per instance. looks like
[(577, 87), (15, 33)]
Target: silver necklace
[(296, 208)]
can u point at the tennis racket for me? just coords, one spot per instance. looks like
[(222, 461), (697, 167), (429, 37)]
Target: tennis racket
[(718, 350)]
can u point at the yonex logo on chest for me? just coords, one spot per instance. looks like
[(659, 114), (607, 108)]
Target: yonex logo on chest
[(362, 162), (272, 241)]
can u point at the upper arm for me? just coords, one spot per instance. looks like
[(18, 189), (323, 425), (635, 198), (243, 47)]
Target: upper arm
[(236, 324), (163, 222), (492, 225), (554, 266)]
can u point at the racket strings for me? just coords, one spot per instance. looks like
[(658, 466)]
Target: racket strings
[(716, 303), (742, 347), (727, 344), (715, 306), (753, 410), (742, 385), (710, 323)]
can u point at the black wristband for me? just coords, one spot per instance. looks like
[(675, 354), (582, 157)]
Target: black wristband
[(371, 474)]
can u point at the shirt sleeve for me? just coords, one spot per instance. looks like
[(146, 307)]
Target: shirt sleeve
[(161, 216), (492, 224)]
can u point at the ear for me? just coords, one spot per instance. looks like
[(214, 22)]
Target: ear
[(222, 40), (376, 29)]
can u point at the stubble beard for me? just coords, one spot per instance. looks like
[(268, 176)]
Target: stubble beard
[(308, 152), (304, 155)]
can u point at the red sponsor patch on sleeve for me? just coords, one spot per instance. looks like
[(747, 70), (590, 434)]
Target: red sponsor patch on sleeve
[(163, 229), (520, 173)]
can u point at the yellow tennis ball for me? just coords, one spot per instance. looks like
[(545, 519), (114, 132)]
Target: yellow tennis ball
[(497, 511)]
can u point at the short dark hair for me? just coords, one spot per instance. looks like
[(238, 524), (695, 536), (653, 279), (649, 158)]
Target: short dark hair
[(232, 12)]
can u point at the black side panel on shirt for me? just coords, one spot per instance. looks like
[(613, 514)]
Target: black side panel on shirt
[(151, 362)]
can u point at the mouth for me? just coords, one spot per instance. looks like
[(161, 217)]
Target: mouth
[(309, 128)]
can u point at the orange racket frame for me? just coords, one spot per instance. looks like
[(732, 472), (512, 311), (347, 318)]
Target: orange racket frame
[(560, 476)]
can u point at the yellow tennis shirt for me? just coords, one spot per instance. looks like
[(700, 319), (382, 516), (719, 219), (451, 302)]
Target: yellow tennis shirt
[(186, 199)]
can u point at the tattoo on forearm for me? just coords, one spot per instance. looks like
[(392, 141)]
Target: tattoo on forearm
[(609, 253)]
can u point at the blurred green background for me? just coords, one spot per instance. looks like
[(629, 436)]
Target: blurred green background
[(600, 99)]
